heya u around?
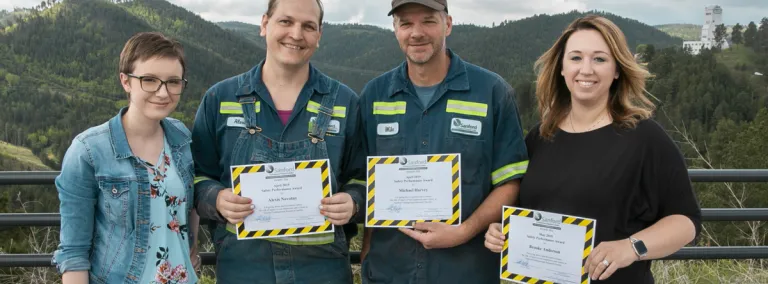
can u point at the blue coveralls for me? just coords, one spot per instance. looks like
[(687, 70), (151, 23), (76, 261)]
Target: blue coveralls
[(237, 124)]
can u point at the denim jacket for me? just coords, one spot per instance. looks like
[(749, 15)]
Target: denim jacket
[(104, 193)]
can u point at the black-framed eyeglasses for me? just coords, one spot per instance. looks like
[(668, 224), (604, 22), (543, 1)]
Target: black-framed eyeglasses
[(152, 84)]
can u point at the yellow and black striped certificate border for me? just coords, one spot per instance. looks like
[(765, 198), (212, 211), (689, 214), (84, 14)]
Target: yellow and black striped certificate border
[(454, 159), (589, 242), (242, 233)]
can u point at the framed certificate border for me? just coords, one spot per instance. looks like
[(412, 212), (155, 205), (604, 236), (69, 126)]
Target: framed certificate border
[(454, 159), (589, 241), (242, 233)]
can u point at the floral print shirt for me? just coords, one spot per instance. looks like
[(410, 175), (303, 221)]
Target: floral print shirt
[(168, 261)]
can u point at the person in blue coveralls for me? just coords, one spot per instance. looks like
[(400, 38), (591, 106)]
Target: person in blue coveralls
[(436, 103), (282, 110)]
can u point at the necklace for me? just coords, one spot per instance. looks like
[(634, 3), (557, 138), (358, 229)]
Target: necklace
[(570, 116)]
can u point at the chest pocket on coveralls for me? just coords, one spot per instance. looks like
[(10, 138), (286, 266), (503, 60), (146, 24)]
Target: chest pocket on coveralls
[(390, 139), (465, 135)]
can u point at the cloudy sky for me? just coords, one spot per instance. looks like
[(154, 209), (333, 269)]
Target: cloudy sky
[(481, 12)]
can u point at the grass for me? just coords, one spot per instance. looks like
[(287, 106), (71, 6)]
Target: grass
[(712, 271), (684, 31), (736, 55), (23, 155)]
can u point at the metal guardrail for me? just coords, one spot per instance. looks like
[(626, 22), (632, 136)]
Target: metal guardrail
[(728, 175), (696, 175), (707, 214), (28, 177)]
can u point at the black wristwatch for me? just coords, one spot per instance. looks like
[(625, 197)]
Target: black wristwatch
[(639, 247)]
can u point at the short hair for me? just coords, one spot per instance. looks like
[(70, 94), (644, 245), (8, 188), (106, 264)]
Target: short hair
[(627, 103), (146, 45), (272, 5)]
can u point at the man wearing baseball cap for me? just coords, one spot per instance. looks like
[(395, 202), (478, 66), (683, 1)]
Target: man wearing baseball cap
[(420, 108)]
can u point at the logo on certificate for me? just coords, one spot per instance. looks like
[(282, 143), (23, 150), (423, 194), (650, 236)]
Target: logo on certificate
[(537, 216), (415, 162), (269, 169)]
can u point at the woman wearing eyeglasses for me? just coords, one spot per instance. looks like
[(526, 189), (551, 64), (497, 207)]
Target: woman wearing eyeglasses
[(126, 185)]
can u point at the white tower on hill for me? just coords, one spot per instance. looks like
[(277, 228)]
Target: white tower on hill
[(713, 16)]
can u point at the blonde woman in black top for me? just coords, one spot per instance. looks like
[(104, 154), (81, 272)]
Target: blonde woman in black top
[(597, 154)]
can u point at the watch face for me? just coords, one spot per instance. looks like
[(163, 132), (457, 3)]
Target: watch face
[(640, 247)]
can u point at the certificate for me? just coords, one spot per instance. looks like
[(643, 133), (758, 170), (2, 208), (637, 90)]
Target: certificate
[(286, 198), (416, 188), (545, 247)]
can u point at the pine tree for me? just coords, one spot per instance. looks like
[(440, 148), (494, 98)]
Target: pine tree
[(720, 32), (750, 34), (736, 34), (761, 39)]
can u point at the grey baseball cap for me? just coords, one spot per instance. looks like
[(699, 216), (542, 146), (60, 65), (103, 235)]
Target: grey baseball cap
[(439, 5)]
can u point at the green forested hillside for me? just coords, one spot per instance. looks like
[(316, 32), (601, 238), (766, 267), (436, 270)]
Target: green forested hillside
[(247, 31), (63, 58), (62, 62), (508, 48), (511, 47)]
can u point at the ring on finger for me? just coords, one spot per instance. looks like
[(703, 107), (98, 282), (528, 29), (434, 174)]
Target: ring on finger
[(606, 262)]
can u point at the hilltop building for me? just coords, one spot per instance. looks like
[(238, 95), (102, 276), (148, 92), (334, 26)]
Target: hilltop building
[(713, 16)]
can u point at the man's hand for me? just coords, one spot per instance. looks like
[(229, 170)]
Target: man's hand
[(233, 207), (437, 235), (339, 208)]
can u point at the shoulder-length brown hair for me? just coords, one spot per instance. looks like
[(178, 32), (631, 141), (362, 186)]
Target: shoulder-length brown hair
[(627, 103)]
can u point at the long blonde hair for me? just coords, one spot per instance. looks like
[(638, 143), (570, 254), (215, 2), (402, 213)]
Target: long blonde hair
[(627, 104)]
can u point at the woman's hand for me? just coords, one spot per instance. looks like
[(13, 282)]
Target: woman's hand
[(608, 257), (494, 238)]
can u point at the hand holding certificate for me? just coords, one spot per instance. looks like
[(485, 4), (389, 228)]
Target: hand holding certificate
[(286, 198), (544, 246), (416, 188)]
